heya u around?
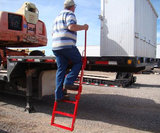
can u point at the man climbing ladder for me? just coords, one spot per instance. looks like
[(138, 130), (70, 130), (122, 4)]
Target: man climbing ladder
[(77, 97), (64, 40)]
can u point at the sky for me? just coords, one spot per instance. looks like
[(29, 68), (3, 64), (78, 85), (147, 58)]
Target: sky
[(87, 12)]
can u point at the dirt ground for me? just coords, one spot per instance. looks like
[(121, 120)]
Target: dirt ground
[(101, 110)]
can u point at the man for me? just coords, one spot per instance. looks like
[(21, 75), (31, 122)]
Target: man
[(64, 39)]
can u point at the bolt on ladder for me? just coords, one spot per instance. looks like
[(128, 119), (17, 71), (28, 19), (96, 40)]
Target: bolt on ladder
[(77, 97)]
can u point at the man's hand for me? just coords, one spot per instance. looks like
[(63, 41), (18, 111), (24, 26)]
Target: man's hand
[(75, 27), (86, 26)]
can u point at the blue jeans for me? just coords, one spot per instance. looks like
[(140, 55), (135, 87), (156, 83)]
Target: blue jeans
[(63, 57)]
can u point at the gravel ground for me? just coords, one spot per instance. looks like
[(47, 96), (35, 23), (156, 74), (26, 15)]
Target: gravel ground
[(101, 110)]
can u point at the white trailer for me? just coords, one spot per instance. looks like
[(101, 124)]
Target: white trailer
[(128, 35), (128, 28), (127, 39)]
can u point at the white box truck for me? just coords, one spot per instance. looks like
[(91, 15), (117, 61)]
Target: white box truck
[(127, 38), (128, 34), (128, 28)]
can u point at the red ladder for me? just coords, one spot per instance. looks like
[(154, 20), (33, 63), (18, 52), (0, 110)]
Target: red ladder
[(77, 97)]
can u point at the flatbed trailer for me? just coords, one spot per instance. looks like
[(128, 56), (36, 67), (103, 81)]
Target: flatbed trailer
[(120, 64), (25, 75)]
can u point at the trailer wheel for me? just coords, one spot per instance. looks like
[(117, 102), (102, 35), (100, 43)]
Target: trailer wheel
[(125, 78), (123, 75), (36, 53), (124, 85)]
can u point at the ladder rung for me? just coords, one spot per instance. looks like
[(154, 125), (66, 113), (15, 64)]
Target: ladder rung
[(73, 89), (64, 114), (61, 126), (67, 101)]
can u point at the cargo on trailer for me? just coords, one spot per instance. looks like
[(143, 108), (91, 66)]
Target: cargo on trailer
[(128, 29), (128, 36)]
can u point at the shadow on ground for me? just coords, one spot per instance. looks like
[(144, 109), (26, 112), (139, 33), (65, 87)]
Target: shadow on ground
[(136, 113), (147, 85), (2, 131)]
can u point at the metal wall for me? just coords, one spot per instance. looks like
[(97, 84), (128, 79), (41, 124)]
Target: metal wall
[(145, 29), (128, 28)]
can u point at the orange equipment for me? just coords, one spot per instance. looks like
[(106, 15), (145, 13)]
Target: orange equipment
[(22, 29)]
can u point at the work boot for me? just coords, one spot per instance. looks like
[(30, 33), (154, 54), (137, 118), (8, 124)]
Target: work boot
[(71, 87), (65, 94)]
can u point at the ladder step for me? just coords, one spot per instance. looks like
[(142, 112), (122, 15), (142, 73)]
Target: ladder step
[(61, 126), (68, 101), (64, 114), (74, 89)]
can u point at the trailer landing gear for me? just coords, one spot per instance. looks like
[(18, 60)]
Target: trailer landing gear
[(29, 107)]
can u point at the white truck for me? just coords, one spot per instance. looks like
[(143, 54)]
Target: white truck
[(128, 38)]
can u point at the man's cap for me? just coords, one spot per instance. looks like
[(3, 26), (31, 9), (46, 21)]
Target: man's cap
[(68, 3)]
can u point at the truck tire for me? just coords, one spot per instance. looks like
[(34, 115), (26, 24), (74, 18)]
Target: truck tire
[(123, 75)]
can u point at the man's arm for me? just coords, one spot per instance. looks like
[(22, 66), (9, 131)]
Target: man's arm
[(75, 27)]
